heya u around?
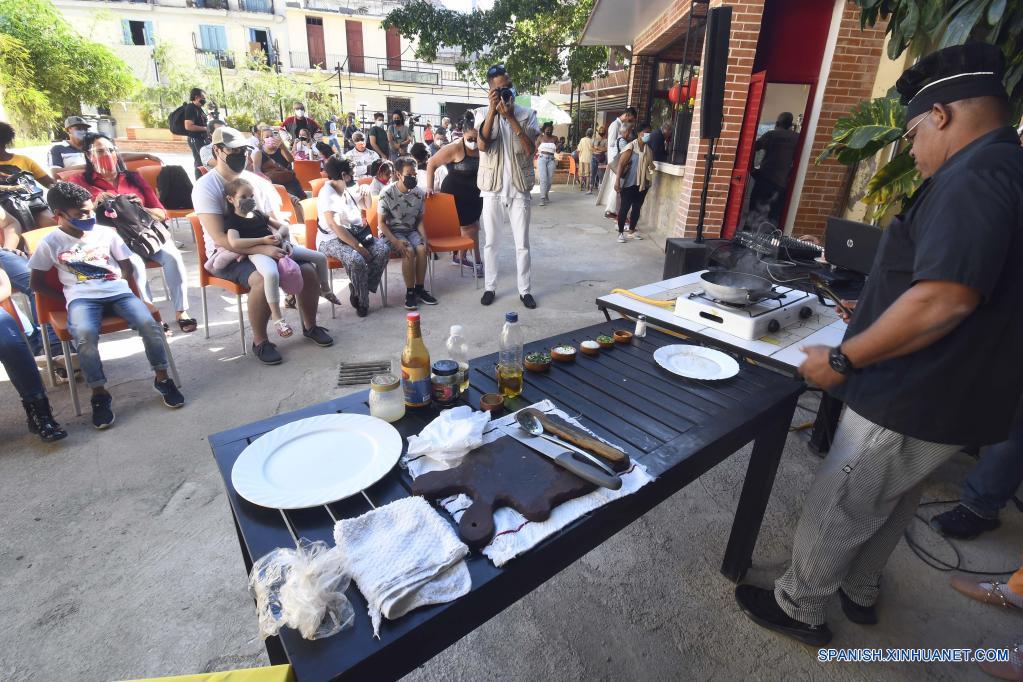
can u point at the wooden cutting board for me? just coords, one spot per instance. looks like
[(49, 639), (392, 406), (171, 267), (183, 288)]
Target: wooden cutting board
[(504, 473)]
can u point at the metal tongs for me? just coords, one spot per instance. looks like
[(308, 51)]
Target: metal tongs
[(818, 282)]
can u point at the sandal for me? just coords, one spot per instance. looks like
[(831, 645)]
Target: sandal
[(289, 301), (284, 329), (188, 325), (992, 595)]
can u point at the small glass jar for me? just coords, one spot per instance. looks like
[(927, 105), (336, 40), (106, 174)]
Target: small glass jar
[(386, 399), (446, 383)]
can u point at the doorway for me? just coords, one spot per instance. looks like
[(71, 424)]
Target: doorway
[(259, 41), (314, 38)]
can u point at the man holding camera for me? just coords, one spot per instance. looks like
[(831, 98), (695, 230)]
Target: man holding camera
[(507, 143)]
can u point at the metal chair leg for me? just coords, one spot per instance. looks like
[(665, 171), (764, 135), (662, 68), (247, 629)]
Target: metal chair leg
[(72, 384), (330, 278), (241, 324), (205, 313), (51, 374), (170, 360), (383, 292)]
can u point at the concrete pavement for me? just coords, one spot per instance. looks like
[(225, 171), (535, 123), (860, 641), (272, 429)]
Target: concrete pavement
[(120, 560)]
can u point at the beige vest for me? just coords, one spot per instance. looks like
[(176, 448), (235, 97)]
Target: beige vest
[(492, 161)]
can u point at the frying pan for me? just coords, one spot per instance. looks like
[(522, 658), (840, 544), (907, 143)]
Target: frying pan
[(736, 287)]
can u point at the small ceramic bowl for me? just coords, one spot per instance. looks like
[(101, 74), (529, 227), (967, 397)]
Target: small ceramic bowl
[(538, 362), (563, 353), (622, 336), (491, 402), (590, 347), (606, 342)]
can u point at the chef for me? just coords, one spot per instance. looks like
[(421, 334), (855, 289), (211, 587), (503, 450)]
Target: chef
[(931, 359)]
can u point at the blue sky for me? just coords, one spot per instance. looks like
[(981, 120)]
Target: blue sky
[(466, 5)]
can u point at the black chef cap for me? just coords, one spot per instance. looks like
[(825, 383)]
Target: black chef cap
[(952, 74)]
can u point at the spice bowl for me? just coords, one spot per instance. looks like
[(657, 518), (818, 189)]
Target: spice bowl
[(590, 347), (606, 342), (622, 336), (537, 362), (491, 402), (563, 353)]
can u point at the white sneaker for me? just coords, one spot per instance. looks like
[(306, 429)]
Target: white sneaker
[(635, 235), (622, 238)]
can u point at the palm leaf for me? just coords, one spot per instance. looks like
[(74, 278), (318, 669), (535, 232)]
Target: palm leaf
[(869, 127), (894, 182)]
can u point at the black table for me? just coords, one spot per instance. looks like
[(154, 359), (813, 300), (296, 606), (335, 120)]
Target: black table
[(678, 429)]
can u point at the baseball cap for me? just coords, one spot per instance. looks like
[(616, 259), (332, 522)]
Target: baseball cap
[(230, 138), (72, 121)]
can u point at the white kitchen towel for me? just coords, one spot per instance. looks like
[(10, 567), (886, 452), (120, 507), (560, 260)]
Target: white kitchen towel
[(403, 556), (515, 534)]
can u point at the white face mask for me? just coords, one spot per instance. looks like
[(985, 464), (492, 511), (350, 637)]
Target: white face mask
[(470, 144), (300, 113)]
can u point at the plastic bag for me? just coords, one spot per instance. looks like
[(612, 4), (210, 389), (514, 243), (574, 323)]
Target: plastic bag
[(450, 437), (303, 589)]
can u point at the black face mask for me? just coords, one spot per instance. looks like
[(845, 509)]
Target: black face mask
[(396, 121), (410, 181), (236, 162), (350, 182), (202, 102)]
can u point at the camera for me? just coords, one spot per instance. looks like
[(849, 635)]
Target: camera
[(507, 94), (411, 119)]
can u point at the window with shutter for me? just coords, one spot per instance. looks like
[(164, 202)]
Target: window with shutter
[(353, 32), (393, 49)]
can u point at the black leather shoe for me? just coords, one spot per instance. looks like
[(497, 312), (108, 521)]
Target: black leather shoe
[(962, 524), (861, 615), (762, 608), (488, 297), (528, 301)]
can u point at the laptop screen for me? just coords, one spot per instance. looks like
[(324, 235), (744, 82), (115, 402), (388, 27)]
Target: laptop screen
[(851, 245)]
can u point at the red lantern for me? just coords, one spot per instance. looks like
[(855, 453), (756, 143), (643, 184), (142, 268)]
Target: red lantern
[(675, 93), (688, 91)]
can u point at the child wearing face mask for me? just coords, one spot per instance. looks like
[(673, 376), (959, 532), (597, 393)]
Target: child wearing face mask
[(247, 227), (361, 157)]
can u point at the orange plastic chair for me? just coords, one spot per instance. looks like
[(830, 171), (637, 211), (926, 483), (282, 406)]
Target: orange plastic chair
[(373, 220), (316, 185), (207, 280), (287, 208), (33, 237), (203, 170), (138, 164), (311, 225), (365, 181), (65, 174), (53, 311), (306, 172), (573, 172), (443, 234)]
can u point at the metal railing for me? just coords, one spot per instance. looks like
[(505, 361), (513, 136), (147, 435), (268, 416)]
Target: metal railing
[(263, 6), (375, 66)]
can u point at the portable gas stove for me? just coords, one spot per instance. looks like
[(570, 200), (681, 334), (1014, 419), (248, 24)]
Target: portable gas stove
[(785, 307)]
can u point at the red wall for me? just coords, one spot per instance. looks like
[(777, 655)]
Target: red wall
[(792, 38)]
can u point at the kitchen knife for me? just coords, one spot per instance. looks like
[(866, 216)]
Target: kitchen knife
[(564, 458)]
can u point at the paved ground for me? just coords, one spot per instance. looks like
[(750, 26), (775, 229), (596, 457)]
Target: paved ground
[(119, 558)]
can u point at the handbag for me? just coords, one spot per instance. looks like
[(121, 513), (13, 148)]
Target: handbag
[(140, 231)]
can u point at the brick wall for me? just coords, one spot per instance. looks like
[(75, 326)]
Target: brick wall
[(746, 18), (641, 76), (851, 80)]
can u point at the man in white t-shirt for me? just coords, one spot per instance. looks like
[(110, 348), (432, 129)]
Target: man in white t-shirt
[(95, 274), (362, 156), (231, 152)]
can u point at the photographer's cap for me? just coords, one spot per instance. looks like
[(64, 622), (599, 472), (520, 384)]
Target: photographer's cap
[(230, 138), (75, 122)]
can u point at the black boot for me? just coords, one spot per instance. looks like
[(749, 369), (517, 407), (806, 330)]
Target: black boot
[(41, 421)]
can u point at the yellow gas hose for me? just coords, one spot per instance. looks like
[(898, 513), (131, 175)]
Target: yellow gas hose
[(650, 301)]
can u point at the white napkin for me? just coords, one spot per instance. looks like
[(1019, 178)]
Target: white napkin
[(514, 533), (403, 556)]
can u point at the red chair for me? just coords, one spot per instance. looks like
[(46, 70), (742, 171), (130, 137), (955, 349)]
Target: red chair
[(306, 172), (139, 164), (443, 233), (573, 172), (316, 185), (208, 280), (53, 311), (373, 220), (311, 225)]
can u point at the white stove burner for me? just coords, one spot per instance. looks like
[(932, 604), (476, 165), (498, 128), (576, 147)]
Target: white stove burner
[(785, 308)]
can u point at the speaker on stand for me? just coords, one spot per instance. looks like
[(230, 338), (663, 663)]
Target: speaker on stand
[(692, 253)]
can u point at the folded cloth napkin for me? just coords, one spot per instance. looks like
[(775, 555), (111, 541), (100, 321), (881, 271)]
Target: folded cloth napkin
[(515, 534), (403, 556)]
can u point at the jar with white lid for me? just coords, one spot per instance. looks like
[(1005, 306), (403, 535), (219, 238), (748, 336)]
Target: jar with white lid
[(386, 399)]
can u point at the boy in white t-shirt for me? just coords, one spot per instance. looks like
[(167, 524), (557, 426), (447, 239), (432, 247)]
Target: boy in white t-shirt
[(96, 277)]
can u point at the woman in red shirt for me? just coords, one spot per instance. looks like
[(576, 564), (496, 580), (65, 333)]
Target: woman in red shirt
[(105, 176)]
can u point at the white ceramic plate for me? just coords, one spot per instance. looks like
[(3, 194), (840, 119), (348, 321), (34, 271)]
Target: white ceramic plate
[(316, 461), (696, 362)]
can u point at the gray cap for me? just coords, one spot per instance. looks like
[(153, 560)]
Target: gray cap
[(72, 121), (230, 138)]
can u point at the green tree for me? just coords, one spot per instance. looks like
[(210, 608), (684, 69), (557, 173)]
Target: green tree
[(535, 39), (49, 70), (919, 27)]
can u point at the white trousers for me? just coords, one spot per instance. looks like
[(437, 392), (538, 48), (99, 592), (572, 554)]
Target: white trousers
[(495, 214)]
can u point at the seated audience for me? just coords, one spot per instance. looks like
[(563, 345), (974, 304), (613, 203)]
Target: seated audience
[(206, 151), (14, 262), (401, 223), (209, 198), (106, 177), (343, 234), (20, 366), (383, 175), (69, 155), (11, 163), (362, 156), (94, 268), (273, 160), (422, 156), (301, 146)]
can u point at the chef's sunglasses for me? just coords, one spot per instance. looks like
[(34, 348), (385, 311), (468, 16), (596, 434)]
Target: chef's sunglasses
[(496, 70)]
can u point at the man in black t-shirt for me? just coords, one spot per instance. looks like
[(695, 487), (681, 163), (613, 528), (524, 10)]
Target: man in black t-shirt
[(378, 136), (930, 362), (195, 122), (772, 178)]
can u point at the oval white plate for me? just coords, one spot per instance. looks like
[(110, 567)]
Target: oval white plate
[(696, 362), (316, 461)]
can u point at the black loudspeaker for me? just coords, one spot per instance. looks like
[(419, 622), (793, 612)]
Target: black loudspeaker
[(682, 256), (713, 71)]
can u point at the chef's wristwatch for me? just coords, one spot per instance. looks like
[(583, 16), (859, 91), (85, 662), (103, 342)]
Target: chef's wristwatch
[(839, 361)]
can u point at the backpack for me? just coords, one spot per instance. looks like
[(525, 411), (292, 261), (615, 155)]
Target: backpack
[(176, 120), (140, 231), (174, 188)]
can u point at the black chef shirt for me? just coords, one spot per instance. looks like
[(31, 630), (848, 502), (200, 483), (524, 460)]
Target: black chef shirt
[(965, 225)]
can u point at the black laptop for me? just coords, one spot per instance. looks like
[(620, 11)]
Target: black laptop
[(851, 245)]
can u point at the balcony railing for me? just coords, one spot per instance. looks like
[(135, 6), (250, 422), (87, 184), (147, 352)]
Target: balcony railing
[(264, 6), (435, 74)]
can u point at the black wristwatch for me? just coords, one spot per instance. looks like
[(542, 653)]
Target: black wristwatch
[(840, 362)]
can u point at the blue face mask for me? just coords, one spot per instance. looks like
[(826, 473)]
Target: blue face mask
[(646, 137), (78, 135), (83, 224)]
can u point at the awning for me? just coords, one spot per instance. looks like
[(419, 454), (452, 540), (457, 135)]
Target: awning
[(619, 22)]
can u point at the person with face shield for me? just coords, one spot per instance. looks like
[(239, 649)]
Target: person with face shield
[(106, 177), (361, 157)]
